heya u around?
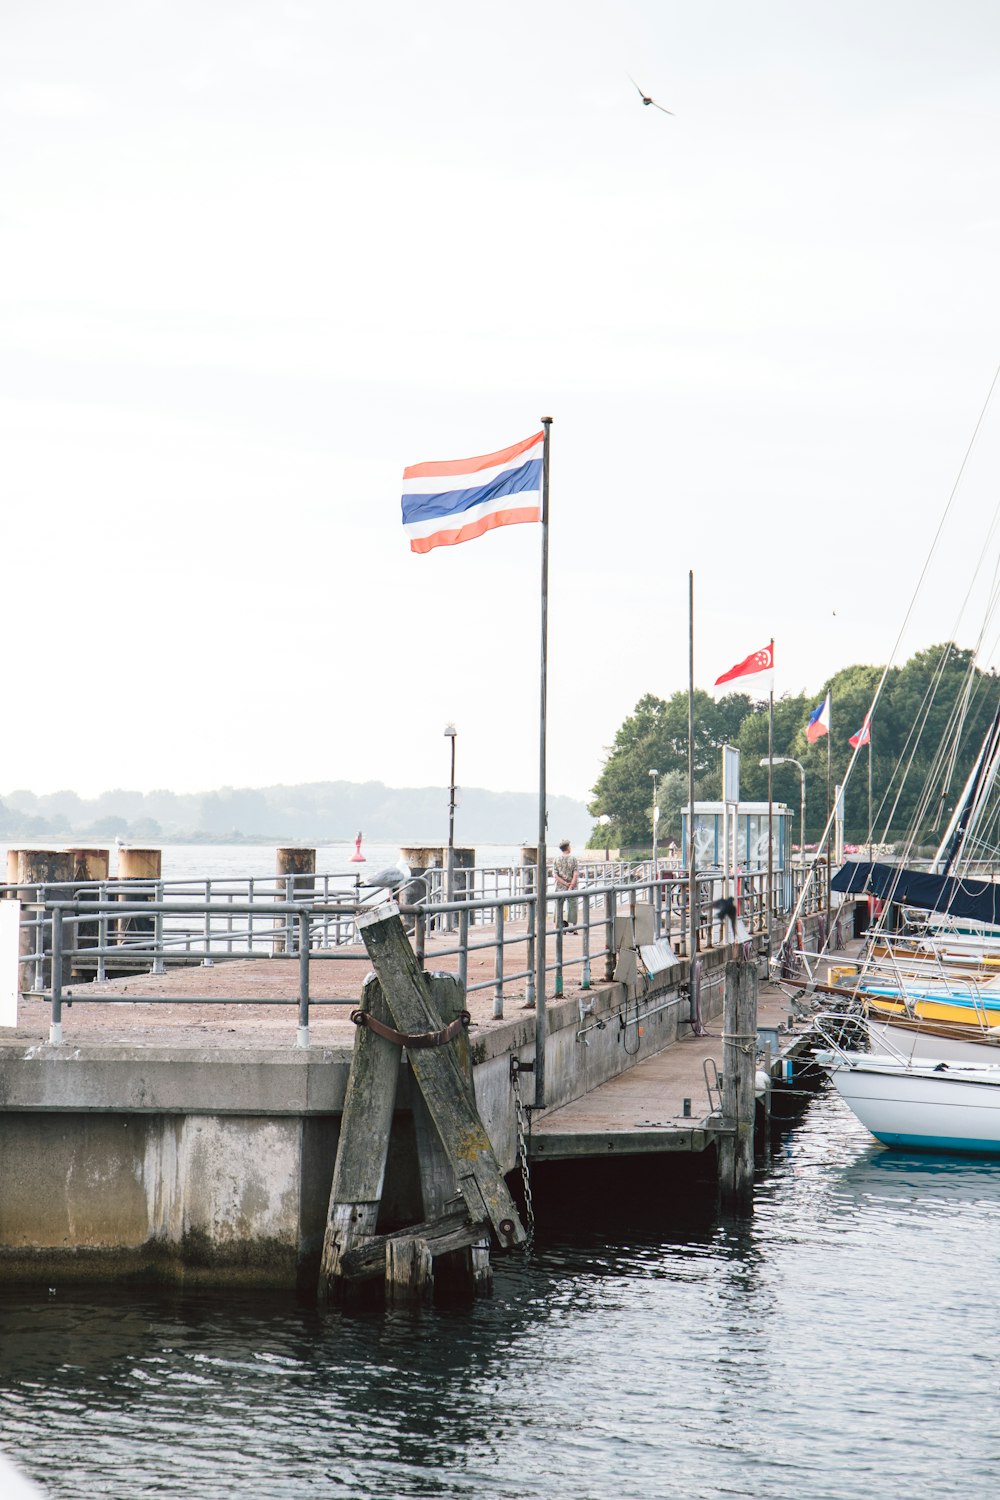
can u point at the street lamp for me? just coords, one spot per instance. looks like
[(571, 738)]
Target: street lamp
[(787, 760), (451, 733), (656, 819)]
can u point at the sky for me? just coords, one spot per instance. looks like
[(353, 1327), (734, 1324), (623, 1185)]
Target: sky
[(259, 256)]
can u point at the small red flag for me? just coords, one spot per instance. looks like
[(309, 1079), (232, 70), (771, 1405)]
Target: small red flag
[(760, 661), (864, 734)]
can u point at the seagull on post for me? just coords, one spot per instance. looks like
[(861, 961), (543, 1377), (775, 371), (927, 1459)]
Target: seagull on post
[(646, 98)]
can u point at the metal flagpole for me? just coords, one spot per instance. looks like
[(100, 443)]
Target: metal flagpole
[(771, 801), (869, 792), (692, 880), (540, 914)]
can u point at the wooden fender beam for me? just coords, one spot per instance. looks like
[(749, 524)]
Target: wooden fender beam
[(445, 1088)]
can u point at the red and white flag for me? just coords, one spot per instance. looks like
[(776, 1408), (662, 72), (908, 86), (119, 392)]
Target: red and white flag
[(864, 734), (760, 661)]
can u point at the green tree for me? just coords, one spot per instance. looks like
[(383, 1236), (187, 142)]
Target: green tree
[(655, 737), (927, 730)]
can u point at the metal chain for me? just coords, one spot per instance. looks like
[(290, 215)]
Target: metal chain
[(523, 1131)]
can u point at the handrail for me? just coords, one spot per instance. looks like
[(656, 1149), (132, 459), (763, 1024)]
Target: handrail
[(79, 930)]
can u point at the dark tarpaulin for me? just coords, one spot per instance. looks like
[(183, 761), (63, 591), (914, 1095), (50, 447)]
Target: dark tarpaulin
[(978, 900)]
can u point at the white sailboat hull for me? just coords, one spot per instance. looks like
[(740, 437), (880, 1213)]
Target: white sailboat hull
[(977, 1050), (925, 1106)]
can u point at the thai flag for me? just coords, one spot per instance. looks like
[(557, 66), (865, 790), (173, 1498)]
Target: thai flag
[(450, 502), (819, 721)]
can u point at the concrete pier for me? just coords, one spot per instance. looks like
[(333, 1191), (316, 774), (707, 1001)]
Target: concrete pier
[(191, 1139)]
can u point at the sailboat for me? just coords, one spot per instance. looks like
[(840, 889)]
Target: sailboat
[(920, 1104)]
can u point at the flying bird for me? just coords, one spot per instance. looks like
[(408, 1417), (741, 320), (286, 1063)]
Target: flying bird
[(646, 98)]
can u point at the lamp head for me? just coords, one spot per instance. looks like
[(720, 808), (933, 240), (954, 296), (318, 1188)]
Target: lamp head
[(450, 731)]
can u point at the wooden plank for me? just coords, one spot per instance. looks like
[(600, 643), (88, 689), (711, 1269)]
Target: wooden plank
[(409, 1271), (438, 1184), (363, 1148), (466, 1271), (579, 1144), (452, 1231), (442, 1082)]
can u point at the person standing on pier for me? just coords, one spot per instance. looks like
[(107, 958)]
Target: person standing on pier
[(567, 874)]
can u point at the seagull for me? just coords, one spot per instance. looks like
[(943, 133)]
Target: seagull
[(646, 99), (391, 879)]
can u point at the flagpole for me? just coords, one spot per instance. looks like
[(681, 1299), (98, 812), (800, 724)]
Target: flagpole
[(829, 804), (692, 879), (869, 793), (540, 913), (771, 801)]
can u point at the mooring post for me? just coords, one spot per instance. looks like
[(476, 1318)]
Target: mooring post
[(739, 1067), (143, 867), (363, 1148), (466, 1271), (295, 871), (90, 868), (39, 868), (441, 1080)]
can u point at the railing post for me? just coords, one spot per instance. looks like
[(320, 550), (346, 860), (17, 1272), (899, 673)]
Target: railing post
[(159, 967), (610, 905), (498, 971), (55, 1026), (420, 937), (529, 989), (557, 987), (585, 912), (302, 1037), (463, 948)]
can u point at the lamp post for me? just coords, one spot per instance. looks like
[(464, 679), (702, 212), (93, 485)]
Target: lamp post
[(787, 760), (451, 733), (656, 819)]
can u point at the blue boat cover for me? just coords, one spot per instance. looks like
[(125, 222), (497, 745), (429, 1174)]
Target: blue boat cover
[(978, 900)]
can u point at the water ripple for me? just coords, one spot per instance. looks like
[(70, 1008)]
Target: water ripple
[(844, 1329)]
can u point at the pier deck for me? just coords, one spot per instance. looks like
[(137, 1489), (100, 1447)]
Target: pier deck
[(642, 1111)]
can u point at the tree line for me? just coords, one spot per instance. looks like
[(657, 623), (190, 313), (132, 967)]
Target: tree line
[(939, 698)]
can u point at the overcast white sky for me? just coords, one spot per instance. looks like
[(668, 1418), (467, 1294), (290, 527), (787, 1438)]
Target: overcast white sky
[(258, 256)]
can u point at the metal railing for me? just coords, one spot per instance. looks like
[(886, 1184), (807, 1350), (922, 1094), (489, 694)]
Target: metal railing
[(75, 932)]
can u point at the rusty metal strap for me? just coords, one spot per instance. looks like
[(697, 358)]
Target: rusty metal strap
[(413, 1039)]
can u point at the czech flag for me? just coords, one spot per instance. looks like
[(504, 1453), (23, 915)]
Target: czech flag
[(819, 721), (449, 502), (864, 734)]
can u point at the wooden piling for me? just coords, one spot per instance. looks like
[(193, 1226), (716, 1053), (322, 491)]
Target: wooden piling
[(37, 868), (90, 866), (466, 1272), (138, 866), (365, 1126), (300, 864), (444, 1086), (739, 1067)]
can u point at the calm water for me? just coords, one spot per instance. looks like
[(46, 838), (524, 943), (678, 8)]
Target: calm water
[(842, 1342)]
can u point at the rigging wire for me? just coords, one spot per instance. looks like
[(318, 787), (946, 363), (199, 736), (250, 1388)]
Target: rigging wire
[(902, 630)]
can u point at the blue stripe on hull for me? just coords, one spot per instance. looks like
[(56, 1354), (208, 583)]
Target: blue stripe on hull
[(939, 1143)]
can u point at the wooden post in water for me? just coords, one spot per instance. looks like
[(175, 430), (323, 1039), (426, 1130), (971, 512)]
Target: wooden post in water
[(295, 869), (465, 1272), (443, 1084), (365, 1126), (739, 1068)]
